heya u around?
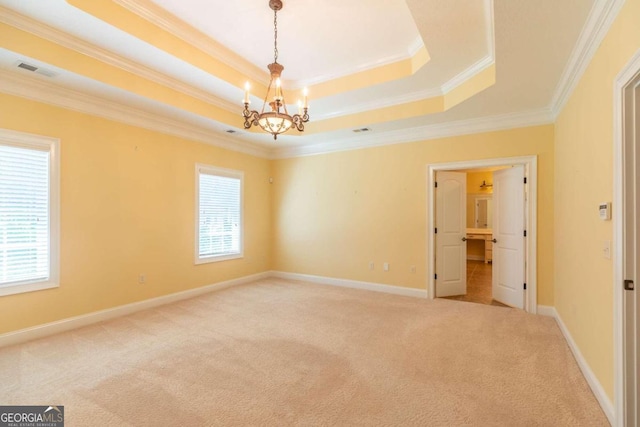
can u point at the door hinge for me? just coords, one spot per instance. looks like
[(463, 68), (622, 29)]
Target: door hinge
[(525, 233), (436, 231), (525, 286), (525, 179), (629, 285), (436, 184), (435, 276)]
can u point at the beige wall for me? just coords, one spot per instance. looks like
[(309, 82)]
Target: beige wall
[(583, 178), (334, 213), (127, 207)]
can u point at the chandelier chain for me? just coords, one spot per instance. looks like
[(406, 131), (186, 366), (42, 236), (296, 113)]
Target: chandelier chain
[(275, 36)]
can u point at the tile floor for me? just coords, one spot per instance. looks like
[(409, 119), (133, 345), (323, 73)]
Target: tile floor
[(478, 284)]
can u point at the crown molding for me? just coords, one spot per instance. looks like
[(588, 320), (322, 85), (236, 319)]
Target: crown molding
[(467, 74), (601, 17), (34, 88), (415, 46), (37, 90), (44, 31), (412, 50), (380, 103), (422, 133), (405, 98), (490, 22), (173, 25)]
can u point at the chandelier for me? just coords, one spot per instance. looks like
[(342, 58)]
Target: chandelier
[(277, 120)]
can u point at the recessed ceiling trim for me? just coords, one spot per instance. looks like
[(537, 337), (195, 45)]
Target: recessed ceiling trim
[(395, 101), (178, 28), (39, 29), (422, 133), (49, 93), (168, 22), (491, 28), (27, 24), (381, 103), (107, 12), (42, 91), (468, 74), (602, 15), (414, 49)]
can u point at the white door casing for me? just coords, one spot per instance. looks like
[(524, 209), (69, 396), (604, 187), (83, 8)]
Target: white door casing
[(626, 225), (508, 233), (451, 249), (530, 163), (631, 236)]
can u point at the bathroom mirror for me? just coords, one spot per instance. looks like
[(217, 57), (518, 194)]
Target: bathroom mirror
[(484, 214)]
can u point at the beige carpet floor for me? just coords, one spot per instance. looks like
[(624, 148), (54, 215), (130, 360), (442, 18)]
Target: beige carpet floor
[(284, 353)]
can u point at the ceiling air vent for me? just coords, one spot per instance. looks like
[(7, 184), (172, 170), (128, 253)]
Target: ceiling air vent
[(362, 130), (35, 69), (230, 131)]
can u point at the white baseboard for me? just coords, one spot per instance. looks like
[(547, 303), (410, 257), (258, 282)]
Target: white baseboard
[(596, 387), (547, 310), (355, 284), (475, 257), (70, 323)]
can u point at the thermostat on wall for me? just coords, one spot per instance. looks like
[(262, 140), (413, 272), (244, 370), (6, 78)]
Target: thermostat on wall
[(605, 211)]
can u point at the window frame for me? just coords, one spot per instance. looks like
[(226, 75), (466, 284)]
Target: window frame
[(52, 146), (225, 173)]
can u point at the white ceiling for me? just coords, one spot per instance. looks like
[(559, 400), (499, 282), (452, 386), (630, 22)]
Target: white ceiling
[(352, 34), (530, 42)]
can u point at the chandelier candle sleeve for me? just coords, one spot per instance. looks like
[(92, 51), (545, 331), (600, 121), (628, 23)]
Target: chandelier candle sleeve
[(247, 86), (276, 119)]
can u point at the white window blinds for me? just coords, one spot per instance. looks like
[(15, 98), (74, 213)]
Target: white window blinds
[(219, 214), (24, 215)]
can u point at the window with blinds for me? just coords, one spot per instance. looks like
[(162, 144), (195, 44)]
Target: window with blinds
[(27, 216), (219, 214)]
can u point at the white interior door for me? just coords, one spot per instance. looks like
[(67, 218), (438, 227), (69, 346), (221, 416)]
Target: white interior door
[(451, 225), (508, 234)]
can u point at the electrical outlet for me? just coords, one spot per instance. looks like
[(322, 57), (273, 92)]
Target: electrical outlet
[(371, 265), (142, 279), (412, 269), (385, 266)]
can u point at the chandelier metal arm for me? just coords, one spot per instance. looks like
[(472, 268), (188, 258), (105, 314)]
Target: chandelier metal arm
[(299, 120), (250, 117)]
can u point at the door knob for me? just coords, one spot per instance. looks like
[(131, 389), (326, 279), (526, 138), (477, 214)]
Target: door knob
[(494, 240), (464, 239)]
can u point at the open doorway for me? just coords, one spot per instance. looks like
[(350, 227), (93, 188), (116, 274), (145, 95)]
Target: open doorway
[(479, 234), (525, 292)]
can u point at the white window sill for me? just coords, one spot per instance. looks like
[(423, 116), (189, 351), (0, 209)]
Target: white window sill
[(217, 258), (20, 288)]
